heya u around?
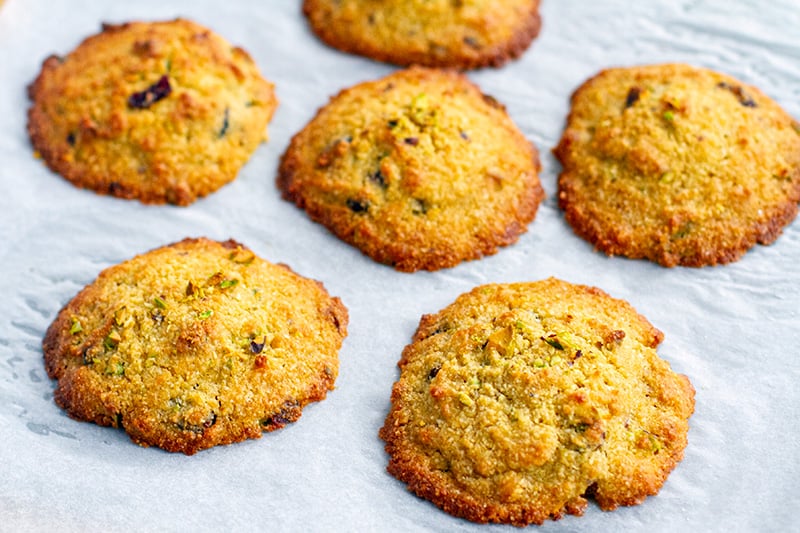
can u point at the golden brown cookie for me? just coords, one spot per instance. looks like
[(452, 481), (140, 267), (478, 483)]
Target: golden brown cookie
[(519, 401), (460, 34), (162, 112), (676, 164), (418, 170), (195, 344)]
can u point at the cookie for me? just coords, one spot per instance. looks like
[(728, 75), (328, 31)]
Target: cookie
[(518, 402), (464, 34), (678, 165), (161, 112), (193, 345), (419, 170)]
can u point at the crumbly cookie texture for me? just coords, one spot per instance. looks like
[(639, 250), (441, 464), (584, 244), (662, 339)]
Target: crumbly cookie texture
[(419, 170), (161, 112), (519, 401), (462, 34), (677, 164), (195, 344)]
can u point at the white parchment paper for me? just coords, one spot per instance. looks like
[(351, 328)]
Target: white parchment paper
[(734, 330)]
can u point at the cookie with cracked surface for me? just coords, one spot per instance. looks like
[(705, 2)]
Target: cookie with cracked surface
[(161, 112), (419, 170), (519, 401), (462, 34), (677, 164), (195, 344)]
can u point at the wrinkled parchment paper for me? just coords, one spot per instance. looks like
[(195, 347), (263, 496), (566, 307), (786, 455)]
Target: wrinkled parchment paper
[(732, 329)]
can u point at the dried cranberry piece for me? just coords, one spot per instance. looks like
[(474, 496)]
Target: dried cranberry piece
[(472, 42), (225, 124), (158, 91), (357, 206), (257, 347), (739, 93), (378, 179), (633, 96)]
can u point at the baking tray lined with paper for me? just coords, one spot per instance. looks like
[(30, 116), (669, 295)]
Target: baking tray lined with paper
[(732, 329)]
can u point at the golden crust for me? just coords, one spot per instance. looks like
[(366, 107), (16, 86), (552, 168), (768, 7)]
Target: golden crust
[(178, 141), (195, 344), (518, 401), (441, 33), (418, 170), (678, 165)]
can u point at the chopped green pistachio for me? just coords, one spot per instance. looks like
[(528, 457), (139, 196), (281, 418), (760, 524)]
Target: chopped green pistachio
[(224, 284), (420, 101), (669, 116), (175, 404), (553, 341), (568, 340), (118, 369), (474, 382), (464, 398), (501, 340), (242, 256), (161, 304), (683, 231), (206, 314), (655, 444), (120, 316), (112, 340), (419, 109), (76, 327)]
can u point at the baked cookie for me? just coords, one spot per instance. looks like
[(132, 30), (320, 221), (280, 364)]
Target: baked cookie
[(678, 165), (163, 112), (517, 402), (195, 344), (460, 34), (418, 170)]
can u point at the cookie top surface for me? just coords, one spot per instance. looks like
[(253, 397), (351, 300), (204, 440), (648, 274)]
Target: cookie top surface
[(678, 165), (163, 112), (436, 33), (195, 344), (518, 401), (419, 170)]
